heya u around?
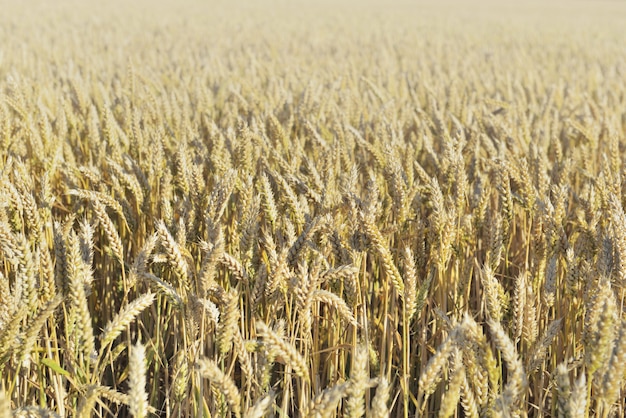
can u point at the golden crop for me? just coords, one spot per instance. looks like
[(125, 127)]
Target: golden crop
[(277, 208)]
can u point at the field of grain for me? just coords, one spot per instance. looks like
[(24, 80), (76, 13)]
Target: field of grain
[(318, 209)]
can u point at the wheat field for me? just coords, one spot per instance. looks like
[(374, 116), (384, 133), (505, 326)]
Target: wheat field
[(312, 209)]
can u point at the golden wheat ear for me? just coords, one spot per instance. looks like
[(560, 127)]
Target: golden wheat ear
[(208, 369), (137, 374)]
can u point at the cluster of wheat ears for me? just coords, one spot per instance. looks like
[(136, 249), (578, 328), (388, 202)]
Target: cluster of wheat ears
[(304, 211)]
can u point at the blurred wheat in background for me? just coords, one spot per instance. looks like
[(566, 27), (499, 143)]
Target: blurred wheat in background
[(282, 209)]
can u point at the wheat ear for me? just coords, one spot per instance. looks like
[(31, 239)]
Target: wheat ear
[(516, 385), (324, 405), (359, 382), (381, 247), (125, 317), (5, 405), (209, 369), (278, 347), (137, 396), (379, 407), (34, 412), (261, 407)]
